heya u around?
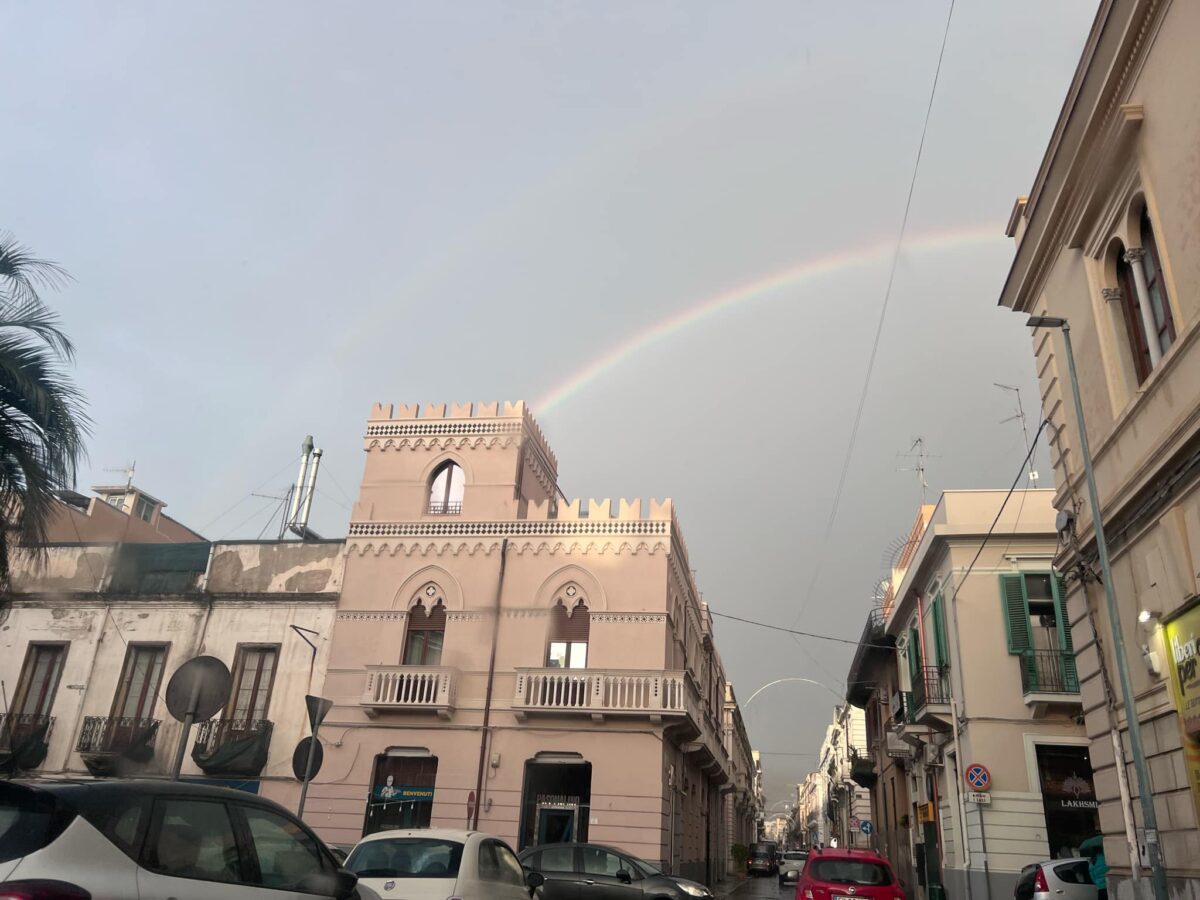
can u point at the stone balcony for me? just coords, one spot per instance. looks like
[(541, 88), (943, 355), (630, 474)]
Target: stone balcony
[(410, 689), (603, 692)]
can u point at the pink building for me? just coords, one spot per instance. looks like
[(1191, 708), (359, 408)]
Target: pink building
[(503, 657)]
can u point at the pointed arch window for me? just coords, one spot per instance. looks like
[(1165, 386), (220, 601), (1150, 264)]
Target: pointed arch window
[(567, 646), (1132, 314), (446, 490), (426, 632)]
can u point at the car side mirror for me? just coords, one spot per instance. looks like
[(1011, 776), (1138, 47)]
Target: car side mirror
[(624, 877), (344, 883), (535, 880)]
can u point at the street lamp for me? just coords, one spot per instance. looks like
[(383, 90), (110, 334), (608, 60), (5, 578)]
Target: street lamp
[(1157, 873)]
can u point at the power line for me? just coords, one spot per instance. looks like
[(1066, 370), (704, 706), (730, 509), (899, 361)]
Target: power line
[(887, 296), (249, 494), (809, 634)]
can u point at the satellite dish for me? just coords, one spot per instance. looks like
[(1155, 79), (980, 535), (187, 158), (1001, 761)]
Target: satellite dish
[(199, 688), (300, 759)]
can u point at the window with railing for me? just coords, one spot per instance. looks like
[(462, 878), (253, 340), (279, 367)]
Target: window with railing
[(38, 684), (1038, 631), (446, 490), (567, 644), (253, 679)]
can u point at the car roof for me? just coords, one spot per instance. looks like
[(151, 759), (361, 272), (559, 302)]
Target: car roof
[(95, 790), (441, 834), (848, 853), (587, 844)]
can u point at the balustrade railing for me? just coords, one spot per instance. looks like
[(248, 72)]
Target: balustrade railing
[(601, 691), (410, 687)]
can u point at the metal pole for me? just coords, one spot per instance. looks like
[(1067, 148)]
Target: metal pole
[(187, 728), (1158, 874), (312, 750)]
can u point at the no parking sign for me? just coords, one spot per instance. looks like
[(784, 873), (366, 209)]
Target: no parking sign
[(978, 778)]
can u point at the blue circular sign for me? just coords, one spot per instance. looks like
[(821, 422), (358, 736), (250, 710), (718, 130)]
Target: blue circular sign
[(978, 777), (866, 827)]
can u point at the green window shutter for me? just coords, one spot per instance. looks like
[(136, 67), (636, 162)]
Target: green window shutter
[(1070, 672), (941, 643), (1016, 613), (914, 654)]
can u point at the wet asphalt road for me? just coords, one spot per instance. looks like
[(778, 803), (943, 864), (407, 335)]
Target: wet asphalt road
[(764, 889)]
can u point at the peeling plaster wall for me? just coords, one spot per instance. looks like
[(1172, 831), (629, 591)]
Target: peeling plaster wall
[(275, 567)]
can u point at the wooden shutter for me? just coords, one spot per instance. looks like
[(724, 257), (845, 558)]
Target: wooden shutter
[(914, 656), (941, 643), (1016, 613), (1070, 672)]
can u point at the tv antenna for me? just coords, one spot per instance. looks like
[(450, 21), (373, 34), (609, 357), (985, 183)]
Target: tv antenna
[(919, 467), (1019, 415), (127, 470)]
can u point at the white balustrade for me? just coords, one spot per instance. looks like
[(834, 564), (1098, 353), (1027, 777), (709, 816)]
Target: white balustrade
[(595, 691), (396, 688)]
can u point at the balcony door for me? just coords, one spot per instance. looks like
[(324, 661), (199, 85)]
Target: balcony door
[(137, 692), (253, 678), (34, 697)]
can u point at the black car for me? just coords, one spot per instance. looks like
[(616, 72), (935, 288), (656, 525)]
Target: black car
[(593, 871)]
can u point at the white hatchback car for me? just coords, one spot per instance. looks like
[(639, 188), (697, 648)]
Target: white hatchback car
[(153, 840), (436, 863)]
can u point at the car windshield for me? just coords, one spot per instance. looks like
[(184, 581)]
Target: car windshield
[(850, 871), (648, 869), (798, 857), (406, 858)]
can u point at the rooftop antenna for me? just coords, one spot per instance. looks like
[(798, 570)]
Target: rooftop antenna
[(1020, 415), (127, 470), (920, 456)]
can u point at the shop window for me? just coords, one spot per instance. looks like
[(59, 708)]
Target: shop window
[(402, 790)]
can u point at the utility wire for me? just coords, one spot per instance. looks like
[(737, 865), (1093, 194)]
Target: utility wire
[(249, 494), (887, 296), (808, 634)]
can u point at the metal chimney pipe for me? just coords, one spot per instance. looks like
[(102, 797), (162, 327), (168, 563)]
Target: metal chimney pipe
[(310, 490), (306, 450)]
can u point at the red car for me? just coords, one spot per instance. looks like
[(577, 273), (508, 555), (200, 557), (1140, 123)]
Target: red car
[(837, 874)]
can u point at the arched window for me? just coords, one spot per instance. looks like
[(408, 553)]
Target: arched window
[(446, 490), (426, 631), (568, 640), (1132, 313), (1156, 286)]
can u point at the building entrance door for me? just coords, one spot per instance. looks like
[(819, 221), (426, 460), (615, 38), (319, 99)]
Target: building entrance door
[(556, 822), (1068, 798)]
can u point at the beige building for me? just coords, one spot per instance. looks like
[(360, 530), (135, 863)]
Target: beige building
[(742, 805), (544, 669), (1107, 239), (983, 678), (90, 638)]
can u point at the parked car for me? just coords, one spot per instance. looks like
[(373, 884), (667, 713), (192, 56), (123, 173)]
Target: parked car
[(791, 863), (1055, 879), (597, 872), (837, 872), (763, 859), (75, 840), (436, 863)]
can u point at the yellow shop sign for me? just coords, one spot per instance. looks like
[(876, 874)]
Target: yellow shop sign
[(1182, 639)]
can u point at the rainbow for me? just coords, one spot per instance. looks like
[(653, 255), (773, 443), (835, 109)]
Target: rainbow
[(802, 273)]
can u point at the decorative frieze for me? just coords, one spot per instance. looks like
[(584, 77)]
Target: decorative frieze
[(511, 529), (638, 617), (371, 615)]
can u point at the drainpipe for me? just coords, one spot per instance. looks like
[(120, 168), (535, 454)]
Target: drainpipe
[(487, 702)]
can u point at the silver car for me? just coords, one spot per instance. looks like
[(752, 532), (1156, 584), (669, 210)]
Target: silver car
[(791, 864), (1055, 879)]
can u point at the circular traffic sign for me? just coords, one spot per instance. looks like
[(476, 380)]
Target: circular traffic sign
[(855, 821), (866, 827), (300, 759), (978, 777), (200, 687)]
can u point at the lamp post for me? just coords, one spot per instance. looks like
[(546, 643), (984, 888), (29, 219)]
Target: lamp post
[(1158, 874)]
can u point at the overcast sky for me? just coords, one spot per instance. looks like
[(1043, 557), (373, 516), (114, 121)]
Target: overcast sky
[(279, 213)]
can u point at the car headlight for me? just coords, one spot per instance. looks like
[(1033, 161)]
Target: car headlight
[(693, 890)]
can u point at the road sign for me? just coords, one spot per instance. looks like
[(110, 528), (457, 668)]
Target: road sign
[(983, 798), (866, 827), (302, 767), (978, 777), (855, 821)]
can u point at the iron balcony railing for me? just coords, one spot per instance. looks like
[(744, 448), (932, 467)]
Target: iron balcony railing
[(440, 508), (16, 728), (115, 734), (216, 733), (931, 686), (1048, 672)]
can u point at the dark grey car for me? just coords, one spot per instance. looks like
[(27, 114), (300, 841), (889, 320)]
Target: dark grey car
[(597, 872)]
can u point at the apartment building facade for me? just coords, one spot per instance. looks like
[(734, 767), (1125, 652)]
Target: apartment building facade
[(1107, 239), (91, 633), (968, 668), (541, 669)]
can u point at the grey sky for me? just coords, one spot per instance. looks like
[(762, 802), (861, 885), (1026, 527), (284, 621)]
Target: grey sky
[(279, 213)]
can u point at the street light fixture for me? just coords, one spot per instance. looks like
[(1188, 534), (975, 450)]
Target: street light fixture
[(1145, 796)]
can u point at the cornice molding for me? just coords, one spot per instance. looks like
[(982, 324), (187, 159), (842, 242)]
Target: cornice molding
[(511, 529)]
